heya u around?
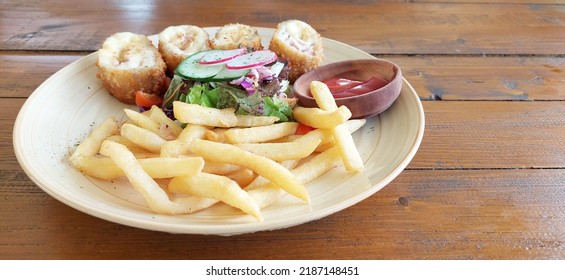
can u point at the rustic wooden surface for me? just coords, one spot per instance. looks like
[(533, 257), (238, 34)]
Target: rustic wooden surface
[(488, 181)]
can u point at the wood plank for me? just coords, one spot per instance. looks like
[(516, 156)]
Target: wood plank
[(400, 28), (460, 135), (477, 214), (471, 78), (433, 77), (9, 108), (22, 73), (530, 2)]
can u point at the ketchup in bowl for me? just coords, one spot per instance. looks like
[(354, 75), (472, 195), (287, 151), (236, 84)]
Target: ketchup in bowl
[(342, 87)]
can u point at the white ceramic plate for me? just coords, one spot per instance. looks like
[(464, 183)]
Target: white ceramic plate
[(63, 110)]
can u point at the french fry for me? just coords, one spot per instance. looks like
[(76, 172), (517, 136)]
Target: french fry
[(323, 135), (196, 114), (327, 137), (288, 138), (155, 197), (172, 167), (281, 151), (190, 132), (349, 153), (162, 119), (143, 137), (157, 168), (134, 148), (219, 168), (99, 167), (355, 124), (91, 144), (216, 187), (261, 181), (216, 135), (219, 152), (142, 120), (318, 118), (179, 146), (269, 193), (242, 176), (156, 122), (318, 165), (251, 121), (347, 149), (266, 195), (258, 182), (193, 204), (325, 146), (260, 133)]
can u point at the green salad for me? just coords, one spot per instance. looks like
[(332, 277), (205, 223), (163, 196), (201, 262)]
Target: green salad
[(253, 83)]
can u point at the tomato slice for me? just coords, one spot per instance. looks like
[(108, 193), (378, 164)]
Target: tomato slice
[(143, 99), (303, 129)]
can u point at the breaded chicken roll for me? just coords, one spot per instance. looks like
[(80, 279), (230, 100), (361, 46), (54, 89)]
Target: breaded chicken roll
[(298, 43), (235, 36), (179, 42), (129, 62)]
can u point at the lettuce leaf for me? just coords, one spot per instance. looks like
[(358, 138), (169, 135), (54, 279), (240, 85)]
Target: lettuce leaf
[(253, 104), (274, 106), (201, 94)]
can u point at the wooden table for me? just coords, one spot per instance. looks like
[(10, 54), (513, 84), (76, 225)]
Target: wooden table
[(488, 181)]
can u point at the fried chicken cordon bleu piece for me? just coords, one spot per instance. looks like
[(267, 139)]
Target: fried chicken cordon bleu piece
[(235, 36), (129, 62), (179, 42), (299, 44)]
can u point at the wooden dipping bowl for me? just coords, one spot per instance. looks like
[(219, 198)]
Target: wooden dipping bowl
[(363, 105)]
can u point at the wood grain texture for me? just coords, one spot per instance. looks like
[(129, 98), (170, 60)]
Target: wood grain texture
[(530, 2), (9, 108), (458, 135), (522, 78), (462, 135), (395, 28), (23, 73), (511, 78), (477, 214), (488, 181), (478, 127)]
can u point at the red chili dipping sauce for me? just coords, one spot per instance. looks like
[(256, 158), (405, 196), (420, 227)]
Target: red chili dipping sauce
[(341, 87)]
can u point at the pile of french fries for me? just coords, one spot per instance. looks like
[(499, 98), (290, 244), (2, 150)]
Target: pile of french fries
[(247, 162)]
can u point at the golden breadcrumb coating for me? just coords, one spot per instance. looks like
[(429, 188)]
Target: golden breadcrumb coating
[(179, 42), (235, 36), (299, 44), (129, 62)]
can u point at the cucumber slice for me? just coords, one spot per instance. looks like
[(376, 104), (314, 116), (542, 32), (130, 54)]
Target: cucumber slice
[(189, 68), (228, 75)]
